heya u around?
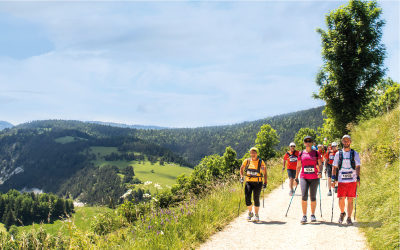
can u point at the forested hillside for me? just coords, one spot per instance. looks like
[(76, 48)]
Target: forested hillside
[(195, 143), (4, 124)]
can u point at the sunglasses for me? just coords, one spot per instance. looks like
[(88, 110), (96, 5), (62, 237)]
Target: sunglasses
[(307, 141), (292, 146)]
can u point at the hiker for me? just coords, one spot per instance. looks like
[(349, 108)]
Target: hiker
[(347, 166), (291, 159), (314, 146), (256, 179), (329, 157), (309, 169)]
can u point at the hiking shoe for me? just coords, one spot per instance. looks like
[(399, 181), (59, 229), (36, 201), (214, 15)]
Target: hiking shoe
[(313, 219), (250, 215), (341, 218), (303, 220), (349, 222), (256, 218), (330, 193)]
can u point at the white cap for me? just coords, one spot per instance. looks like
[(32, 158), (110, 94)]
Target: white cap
[(292, 144), (346, 136), (334, 144)]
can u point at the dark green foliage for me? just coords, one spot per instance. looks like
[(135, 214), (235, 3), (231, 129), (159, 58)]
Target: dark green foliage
[(303, 132), (266, 140), (353, 60), (25, 208), (196, 143)]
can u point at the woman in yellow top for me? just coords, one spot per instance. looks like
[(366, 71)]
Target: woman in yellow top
[(256, 173)]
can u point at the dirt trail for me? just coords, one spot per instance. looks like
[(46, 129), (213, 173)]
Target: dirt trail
[(275, 231)]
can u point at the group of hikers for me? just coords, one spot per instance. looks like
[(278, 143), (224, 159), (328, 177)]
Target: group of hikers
[(342, 168)]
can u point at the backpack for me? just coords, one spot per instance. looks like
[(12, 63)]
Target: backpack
[(258, 167), (352, 161)]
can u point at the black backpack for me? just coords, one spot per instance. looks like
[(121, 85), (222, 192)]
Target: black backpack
[(352, 161)]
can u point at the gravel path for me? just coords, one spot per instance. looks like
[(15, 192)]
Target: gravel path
[(275, 231)]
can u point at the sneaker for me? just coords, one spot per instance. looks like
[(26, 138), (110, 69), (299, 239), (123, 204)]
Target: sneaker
[(349, 222), (330, 193), (250, 215), (341, 218), (256, 218), (313, 219), (304, 220)]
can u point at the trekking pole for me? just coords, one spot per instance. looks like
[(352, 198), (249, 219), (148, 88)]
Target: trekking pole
[(240, 199), (320, 200), (263, 197), (355, 206), (291, 200), (333, 202)]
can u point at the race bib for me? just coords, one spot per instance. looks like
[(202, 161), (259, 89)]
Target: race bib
[(251, 172), (293, 159), (331, 157), (347, 176), (309, 169)]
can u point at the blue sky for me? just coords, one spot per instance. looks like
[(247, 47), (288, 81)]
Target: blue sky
[(176, 64)]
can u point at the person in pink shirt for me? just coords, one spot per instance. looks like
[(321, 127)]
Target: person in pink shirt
[(309, 168)]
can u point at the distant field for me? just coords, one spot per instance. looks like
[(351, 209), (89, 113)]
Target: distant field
[(67, 139), (81, 218), (163, 175)]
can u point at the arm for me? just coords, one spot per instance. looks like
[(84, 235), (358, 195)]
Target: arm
[(284, 164), (298, 171), (242, 168), (265, 174), (358, 170)]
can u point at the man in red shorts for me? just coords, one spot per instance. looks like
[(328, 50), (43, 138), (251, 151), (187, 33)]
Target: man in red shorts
[(347, 166)]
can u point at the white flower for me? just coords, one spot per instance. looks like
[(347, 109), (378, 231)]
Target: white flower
[(148, 183)]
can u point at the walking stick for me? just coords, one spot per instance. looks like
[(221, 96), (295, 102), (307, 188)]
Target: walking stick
[(263, 197), (291, 200), (320, 200), (355, 208), (240, 199), (333, 202)]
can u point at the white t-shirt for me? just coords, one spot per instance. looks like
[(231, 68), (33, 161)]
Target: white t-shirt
[(347, 173)]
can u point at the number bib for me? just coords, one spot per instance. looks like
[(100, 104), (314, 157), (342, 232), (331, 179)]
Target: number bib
[(331, 157), (293, 159), (309, 169), (252, 172), (347, 176)]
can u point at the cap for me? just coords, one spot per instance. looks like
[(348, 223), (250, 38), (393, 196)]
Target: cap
[(308, 137), (346, 136), (319, 145), (334, 144), (254, 149), (292, 144)]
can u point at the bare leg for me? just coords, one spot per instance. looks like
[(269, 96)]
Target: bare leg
[(329, 183), (313, 206), (341, 204), (349, 206), (291, 182), (250, 208), (304, 207)]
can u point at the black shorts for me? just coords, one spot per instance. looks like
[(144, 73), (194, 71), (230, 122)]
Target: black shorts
[(329, 170), (291, 173), (255, 188)]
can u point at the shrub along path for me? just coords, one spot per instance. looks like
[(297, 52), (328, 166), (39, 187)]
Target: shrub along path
[(275, 231)]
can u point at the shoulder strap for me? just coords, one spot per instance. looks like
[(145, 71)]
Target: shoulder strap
[(288, 153), (247, 164), (259, 165), (352, 160), (340, 159)]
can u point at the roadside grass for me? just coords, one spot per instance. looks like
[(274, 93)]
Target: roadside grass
[(378, 201), (81, 219)]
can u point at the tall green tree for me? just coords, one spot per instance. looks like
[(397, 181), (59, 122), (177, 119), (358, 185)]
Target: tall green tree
[(353, 58), (230, 161), (303, 132), (266, 140)]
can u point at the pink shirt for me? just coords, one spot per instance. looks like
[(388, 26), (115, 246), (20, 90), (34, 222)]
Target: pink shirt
[(309, 163)]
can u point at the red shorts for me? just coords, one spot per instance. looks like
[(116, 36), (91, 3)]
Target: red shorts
[(347, 189)]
